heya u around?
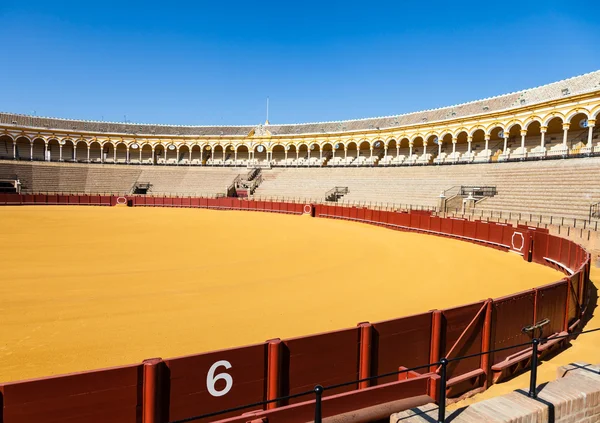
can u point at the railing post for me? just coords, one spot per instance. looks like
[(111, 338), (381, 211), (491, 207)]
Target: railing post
[(534, 364), (442, 392), (318, 397)]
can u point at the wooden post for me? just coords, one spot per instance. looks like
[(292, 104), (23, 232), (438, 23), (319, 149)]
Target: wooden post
[(274, 370), (436, 338), (150, 399), (364, 370), (486, 341)]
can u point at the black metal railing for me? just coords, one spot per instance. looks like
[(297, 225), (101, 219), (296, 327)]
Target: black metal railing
[(595, 211), (478, 191), (443, 363)]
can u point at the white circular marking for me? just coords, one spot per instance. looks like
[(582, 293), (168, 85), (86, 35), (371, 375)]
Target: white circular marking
[(307, 208), (513, 241), (121, 200), (211, 379)]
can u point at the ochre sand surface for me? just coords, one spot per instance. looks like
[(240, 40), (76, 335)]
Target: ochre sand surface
[(90, 287), (585, 348)]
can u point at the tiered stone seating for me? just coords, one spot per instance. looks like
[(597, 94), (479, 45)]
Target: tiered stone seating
[(551, 187), (189, 180)]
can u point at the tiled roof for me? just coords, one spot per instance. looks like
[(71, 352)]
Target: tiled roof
[(565, 88)]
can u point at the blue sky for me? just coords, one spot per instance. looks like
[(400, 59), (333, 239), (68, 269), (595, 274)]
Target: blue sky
[(216, 62)]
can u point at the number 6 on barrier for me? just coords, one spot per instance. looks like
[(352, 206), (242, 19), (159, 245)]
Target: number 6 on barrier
[(211, 379)]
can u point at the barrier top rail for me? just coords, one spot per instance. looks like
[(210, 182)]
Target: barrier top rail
[(442, 363)]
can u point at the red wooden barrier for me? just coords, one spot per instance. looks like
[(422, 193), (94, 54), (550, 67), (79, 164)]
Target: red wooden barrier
[(98, 396), (390, 341), (330, 358), (215, 381)]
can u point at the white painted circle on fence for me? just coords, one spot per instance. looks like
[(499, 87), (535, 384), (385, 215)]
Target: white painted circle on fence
[(522, 241), (307, 208), (121, 200)]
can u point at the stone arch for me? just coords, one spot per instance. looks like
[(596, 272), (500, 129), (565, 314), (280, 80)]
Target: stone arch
[(277, 154), (121, 150), (195, 157), (530, 120), (364, 148), (146, 150), (81, 150), (218, 155), (39, 149), (577, 134), (6, 146), (53, 150), (260, 152), (183, 156), (23, 151), (351, 150), (327, 150), (68, 150), (159, 154), (95, 151), (553, 116)]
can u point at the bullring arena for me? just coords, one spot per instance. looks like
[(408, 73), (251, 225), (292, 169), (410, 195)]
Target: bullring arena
[(159, 273)]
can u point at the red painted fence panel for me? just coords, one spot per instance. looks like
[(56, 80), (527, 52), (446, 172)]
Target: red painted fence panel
[(199, 385), (390, 341), (327, 358)]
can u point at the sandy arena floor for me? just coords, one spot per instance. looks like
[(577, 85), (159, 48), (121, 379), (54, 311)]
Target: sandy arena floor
[(90, 287)]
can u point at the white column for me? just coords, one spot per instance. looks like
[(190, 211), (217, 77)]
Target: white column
[(371, 156), (234, 156), (285, 155), (543, 136), (60, 153), (469, 141), (523, 134), (397, 149), (190, 155), (46, 151), (439, 148), (223, 157), (385, 151), (127, 159), (153, 155), (410, 147), (31, 150), (454, 141), (505, 144), (487, 142), (345, 152), (88, 153), (565, 131), (424, 148), (591, 124), (140, 147), (114, 153), (74, 152), (297, 155), (14, 150)]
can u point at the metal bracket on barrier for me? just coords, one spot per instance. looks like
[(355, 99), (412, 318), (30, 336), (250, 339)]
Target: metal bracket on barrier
[(532, 328)]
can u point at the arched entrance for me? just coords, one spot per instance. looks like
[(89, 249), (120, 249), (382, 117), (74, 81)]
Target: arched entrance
[(242, 155), (578, 134), (23, 148), (184, 155), (121, 151), (159, 154), (53, 150), (68, 151), (95, 152), (81, 151), (278, 155), (195, 157), (108, 152), (291, 155), (556, 141)]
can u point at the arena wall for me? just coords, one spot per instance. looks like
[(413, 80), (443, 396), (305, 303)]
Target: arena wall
[(178, 388)]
